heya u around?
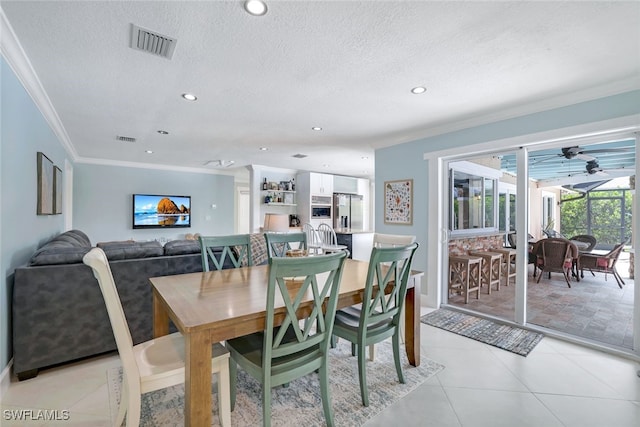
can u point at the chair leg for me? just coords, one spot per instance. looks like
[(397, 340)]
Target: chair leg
[(372, 352), (233, 377), (396, 356), (362, 373), (266, 403), (324, 393), (616, 275), (224, 398), (133, 411), (353, 349)]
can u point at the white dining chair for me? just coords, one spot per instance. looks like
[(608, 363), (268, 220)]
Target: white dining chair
[(328, 239), (314, 245), (153, 364)]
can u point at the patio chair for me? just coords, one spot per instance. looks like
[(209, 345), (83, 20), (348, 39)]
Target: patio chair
[(602, 263), (555, 256), (585, 238)]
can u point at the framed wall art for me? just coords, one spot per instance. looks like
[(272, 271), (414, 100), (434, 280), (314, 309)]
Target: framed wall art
[(57, 190), (45, 185), (398, 202)]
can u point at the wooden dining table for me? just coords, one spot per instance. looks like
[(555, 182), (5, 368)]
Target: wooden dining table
[(219, 305)]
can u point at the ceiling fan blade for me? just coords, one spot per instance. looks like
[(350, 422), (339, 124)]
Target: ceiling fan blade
[(610, 150), (586, 157)]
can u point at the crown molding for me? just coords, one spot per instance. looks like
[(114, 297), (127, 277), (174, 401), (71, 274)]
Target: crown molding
[(21, 65)]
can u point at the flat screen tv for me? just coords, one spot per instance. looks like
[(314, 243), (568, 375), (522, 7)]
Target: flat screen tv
[(161, 211)]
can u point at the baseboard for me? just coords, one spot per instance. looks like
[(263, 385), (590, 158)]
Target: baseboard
[(5, 378)]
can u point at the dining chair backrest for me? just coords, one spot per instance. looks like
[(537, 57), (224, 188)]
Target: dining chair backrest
[(392, 240), (279, 243), (97, 260), (218, 250), (386, 286), (313, 240), (293, 280), (327, 234), (556, 253)]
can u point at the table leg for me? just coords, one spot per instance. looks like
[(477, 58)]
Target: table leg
[(412, 322), (197, 381), (160, 317)]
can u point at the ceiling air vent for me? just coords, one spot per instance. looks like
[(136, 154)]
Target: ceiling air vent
[(126, 138), (299, 156), (152, 42)]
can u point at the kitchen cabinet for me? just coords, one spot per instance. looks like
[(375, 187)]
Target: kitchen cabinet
[(321, 183)]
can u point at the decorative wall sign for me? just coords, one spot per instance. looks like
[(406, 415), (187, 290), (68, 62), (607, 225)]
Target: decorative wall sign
[(45, 185), (398, 202), (57, 190)]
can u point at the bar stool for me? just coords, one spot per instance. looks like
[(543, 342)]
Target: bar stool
[(465, 275), (491, 268), (508, 263)]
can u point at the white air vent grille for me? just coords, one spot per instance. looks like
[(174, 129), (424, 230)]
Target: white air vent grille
[(125, 138), (152, 42), (299, 156)]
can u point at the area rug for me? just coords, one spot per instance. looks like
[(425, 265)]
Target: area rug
[(300, 403), (515, 340)]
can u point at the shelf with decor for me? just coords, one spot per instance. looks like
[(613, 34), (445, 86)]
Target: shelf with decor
[(279, 197)]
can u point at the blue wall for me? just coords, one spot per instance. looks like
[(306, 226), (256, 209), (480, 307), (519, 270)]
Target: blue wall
[(103, 198), (405, 161), (23, 132), (101, 195)]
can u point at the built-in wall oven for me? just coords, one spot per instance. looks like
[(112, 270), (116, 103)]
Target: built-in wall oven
[(321, 207)]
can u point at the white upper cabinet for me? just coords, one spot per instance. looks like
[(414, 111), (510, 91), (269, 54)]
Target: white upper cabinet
[(321, 183)]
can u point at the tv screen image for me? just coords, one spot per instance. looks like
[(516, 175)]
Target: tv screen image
[(159, 211)]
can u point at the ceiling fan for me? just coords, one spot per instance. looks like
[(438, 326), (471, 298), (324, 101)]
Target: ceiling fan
[(593, 168), (581, 153)]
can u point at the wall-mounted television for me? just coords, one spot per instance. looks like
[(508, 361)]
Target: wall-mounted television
[(161, 211)]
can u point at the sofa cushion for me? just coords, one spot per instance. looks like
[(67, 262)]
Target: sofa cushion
[(258, 249), (66, 248), (182, 247), (130, 249)]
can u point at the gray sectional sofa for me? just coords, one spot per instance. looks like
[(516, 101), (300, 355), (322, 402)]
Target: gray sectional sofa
[(58, 310)]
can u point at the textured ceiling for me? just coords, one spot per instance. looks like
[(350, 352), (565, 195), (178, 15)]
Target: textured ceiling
[(347, 67)]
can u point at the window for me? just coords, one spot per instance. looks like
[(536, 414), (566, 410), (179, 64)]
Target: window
[(473, 204)]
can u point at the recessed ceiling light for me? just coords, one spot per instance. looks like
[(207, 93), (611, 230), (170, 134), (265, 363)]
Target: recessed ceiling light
[(255, 7), (163, 132), (316, 128), (364, 158), (325, 165), (418, 90), (264, 148), (148, 151), (189, 96)]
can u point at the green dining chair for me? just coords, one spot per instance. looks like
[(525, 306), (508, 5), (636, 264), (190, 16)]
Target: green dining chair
[(378, 318), (219, 249), (289, 347), (279, 243)]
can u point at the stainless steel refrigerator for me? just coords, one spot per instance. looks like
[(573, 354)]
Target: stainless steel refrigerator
[(348, 211)]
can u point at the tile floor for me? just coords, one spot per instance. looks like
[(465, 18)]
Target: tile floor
[(558, 384), (594, 308)]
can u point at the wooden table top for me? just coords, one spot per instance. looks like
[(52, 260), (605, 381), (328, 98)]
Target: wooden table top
[(224, 298)]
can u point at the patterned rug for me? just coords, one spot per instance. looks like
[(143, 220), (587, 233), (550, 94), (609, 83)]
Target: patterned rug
[(515, 340), (300, 403)]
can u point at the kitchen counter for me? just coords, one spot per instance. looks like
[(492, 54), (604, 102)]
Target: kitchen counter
[(358, 242), (351, 231)]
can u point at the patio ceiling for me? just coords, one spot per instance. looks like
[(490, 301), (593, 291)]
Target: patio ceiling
[(560, 166)]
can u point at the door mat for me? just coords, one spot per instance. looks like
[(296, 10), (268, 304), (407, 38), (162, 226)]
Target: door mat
[(510, 338)]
